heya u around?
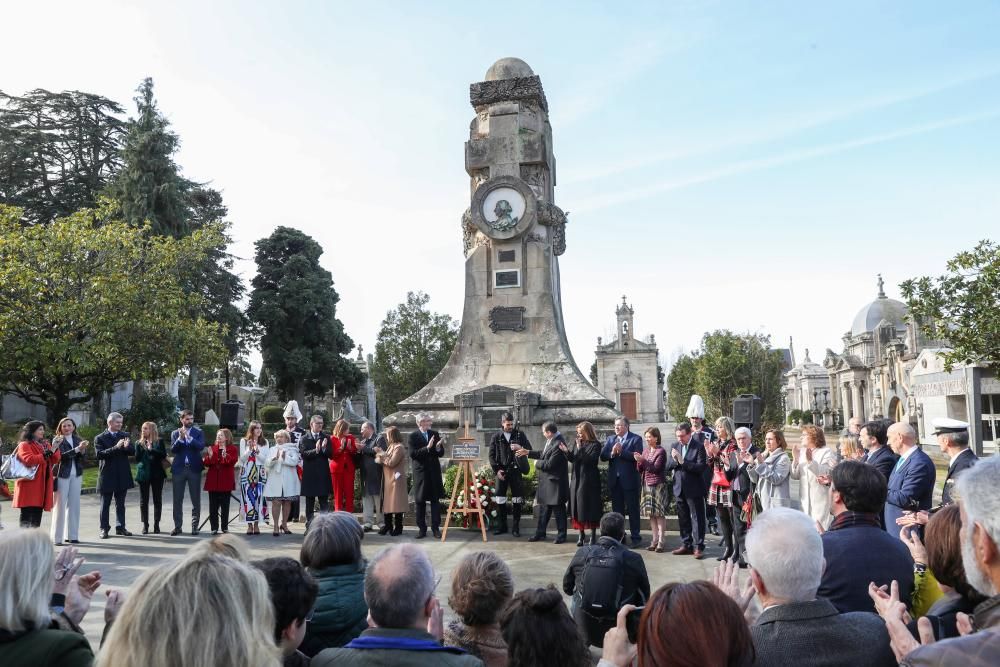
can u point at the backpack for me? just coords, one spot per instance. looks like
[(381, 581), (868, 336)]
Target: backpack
[(601, 582)]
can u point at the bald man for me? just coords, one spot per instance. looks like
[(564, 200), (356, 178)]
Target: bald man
[(911, 484)]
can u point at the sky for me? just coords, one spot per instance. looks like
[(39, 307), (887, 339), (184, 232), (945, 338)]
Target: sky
[(743, 165)]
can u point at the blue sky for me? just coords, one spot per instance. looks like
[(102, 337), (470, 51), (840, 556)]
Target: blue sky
[(751, 165)]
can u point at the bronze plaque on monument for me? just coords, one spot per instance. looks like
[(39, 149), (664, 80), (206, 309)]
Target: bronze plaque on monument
[(505, 318)]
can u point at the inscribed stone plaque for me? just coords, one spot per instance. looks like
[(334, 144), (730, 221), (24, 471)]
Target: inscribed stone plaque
[(465, 451), (489, 420), (495, 398), (504, 318), (507, 278), (506, 256)]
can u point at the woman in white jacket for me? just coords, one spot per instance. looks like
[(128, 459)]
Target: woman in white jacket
[(282, 484), (810, 462), (770, 471)]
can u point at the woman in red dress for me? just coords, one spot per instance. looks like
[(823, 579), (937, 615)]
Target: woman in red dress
[(345, 448)]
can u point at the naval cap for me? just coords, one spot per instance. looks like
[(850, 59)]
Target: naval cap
[(948, 425)]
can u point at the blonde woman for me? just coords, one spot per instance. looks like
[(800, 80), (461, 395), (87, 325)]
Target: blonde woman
[(231, 627), (282, 486), (850, 449), (69, 478), (810, 462), (394, 497), (720, 495), (254, 451), (770, 470), (150, 455)]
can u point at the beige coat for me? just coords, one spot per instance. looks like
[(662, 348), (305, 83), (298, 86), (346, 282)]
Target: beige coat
[(394, 492)]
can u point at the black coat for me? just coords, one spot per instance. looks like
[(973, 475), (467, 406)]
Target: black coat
[(316, 479), (502, 456), (965, 460), (585, 502), (738, 469), (371, 471), (71, 460), (428, 486), (116, 471), (552, 472)]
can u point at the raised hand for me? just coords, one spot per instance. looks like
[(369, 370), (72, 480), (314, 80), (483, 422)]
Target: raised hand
[(618, 650)]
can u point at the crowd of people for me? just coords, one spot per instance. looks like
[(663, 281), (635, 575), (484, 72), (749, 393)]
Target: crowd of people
[(866, 570)]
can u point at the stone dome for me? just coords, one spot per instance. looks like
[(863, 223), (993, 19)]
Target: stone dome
[(882, 308), (508, 68)]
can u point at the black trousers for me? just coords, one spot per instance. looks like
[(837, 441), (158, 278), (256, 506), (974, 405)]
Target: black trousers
[(543, 519), (31, 517), (119, 498), (156, 485), (419, 508), (739, 527), (218, 509), (692, 532), (324, 505), (726, 527), (513, 481), (626, 501)]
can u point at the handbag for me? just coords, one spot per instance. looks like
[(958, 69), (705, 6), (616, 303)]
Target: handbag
[(719, 478), (14, 468)]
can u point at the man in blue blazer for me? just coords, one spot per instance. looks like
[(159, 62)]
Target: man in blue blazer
[(911, 484), (186, 444), (623, 477), (688, 461)]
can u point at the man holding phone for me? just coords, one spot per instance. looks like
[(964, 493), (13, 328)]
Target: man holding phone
[(114, 448)]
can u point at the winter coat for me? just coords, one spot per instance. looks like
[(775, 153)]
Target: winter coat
[(428, 485), (35, 492), (340, 613), (116, 471), (813, 496), (394, 496), (552, 473), (316, 464), (585, 501), (282, 475), (483, 641), (771, 478), (371, 470), (221, 464), (45, 648), (150, 462)]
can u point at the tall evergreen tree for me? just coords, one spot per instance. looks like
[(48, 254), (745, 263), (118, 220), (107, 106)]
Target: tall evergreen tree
[(293, 313), (149, 186), (58, 151)]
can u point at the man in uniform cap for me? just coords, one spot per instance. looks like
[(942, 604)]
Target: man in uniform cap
[(953, 439)]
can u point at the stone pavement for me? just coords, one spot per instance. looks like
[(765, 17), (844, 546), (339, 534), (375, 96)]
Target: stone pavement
[(121, 560)]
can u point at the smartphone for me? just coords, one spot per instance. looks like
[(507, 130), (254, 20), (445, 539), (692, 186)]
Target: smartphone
[(632, 624)]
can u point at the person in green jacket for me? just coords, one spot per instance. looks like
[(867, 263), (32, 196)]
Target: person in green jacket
[(32, 577)]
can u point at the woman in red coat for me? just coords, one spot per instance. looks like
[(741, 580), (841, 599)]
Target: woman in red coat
[(34, 496), (220, 460), (345, 447)]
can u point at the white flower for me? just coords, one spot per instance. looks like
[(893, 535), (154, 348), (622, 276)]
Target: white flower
[(493, 513), (478, 485), (460, 503)]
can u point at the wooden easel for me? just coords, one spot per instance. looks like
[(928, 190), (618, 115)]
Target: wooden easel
[(466, 477)]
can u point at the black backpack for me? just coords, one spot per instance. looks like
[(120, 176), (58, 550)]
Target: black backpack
[(601, 582)]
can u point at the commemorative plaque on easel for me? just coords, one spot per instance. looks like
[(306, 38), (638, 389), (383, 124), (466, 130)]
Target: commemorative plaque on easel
[(466, 452)]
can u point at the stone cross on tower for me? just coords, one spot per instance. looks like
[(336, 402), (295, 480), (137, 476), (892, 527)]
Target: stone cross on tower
[(512, 343)]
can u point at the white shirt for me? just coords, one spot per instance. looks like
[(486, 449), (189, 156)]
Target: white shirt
[(906, 455)]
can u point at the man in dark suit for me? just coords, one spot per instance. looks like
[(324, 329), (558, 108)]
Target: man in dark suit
[(623, 477), (186, 444), (953, 439), (316, 452), (911, 485), (857, 493), (113, 448), (798, 626), (624, 565), (552, 471), (688, 461), (504, 447), (874, 439), (426, 450)]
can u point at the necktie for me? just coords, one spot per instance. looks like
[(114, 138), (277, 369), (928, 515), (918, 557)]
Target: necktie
[(684, 452), (899, 463)]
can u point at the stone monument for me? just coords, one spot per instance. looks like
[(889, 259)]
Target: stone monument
[(512, 352)]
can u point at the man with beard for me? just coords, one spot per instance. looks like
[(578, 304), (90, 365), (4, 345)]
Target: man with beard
[(504, 461)]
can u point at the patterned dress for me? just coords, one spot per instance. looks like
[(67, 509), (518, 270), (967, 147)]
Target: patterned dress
[(253, 475)]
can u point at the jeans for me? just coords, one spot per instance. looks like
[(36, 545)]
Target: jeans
[(119, 498), (626, 501), (692, 532), (66, 506), (189, 478)]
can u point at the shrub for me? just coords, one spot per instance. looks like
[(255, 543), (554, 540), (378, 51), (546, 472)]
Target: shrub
[(155, 406), (272, 414)]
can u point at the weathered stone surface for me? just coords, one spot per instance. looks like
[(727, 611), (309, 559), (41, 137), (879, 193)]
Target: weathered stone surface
[(506, 90)]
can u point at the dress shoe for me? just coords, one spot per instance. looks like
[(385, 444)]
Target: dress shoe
[(366, 528), (384, 530), (698, 554), (59, 544), (121, 531), (175, 532), (682, 551), (421, 535), (742, 565), (726, 556), (145, 530), (104, 534), (156, 529), (73, 541), (436, 533), (636, 541), (559, 540), (536, 538), (194, 533)]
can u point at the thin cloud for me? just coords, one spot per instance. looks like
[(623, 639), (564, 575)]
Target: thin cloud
[(746, 166)]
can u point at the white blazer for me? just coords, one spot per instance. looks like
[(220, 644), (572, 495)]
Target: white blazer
[(282, 476), (814, 497)]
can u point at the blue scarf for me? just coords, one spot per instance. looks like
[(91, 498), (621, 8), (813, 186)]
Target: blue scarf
[(401, 643)]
